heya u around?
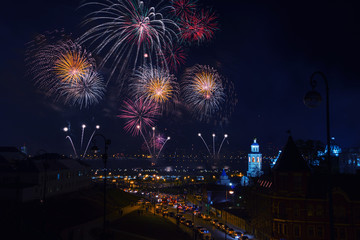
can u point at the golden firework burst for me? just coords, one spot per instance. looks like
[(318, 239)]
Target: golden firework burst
[(72, 66)]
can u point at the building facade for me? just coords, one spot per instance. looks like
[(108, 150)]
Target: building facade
[(254, 161), (292, 203)]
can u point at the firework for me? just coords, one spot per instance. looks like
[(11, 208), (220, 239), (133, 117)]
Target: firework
[(72, 63), (183, 8), (138, 115), (203, 90), (175, 57), (199, 27), (62, 61), (154, 84), (130, 32), (86, 91)]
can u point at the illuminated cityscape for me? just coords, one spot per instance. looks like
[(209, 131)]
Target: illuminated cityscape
[(180, 119)]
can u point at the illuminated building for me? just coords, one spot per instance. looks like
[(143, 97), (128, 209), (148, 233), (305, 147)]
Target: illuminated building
[(254, 161)]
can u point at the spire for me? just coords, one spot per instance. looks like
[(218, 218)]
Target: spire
[(290, 159)]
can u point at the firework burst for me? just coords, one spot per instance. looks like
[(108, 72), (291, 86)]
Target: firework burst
[(183, 8), (65, 71), (138, 115), (203, 90), (155, 84), (72, 64), (175, 57), (130, 31), (199, 27), (86, 91)]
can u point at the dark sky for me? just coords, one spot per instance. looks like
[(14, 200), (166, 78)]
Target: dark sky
[(267, 49)]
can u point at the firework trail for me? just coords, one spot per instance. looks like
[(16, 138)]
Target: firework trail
[(91, 137), (87, 91), (199, 134), (129, 32), (203, 91), (167, 139), (140, 113), (155, 85), (82, 135), (72, 144), (225, 136)]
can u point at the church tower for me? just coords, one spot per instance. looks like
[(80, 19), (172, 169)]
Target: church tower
[(255, 161)]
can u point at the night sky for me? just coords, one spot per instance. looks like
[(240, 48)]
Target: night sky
[(267, 49)]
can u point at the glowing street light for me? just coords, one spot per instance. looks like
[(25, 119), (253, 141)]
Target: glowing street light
[(65, 129)]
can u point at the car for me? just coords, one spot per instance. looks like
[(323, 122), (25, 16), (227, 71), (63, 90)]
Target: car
[(196, 212), (206, 217), (238, 235), (214, 221), (182, 220), (205, 234), (189, 223), (225, 228), (230, 231), (220, 225)]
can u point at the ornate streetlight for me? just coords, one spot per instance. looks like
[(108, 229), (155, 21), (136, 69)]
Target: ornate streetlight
[(312, 99)]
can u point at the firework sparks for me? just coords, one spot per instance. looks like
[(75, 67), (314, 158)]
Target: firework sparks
[(65, 71), (138, 115), (87, 91), (129, 30), (72, 64), (63, 61), (183, 8), (203, 90), (154, 84), (175, 57), (199, 27)]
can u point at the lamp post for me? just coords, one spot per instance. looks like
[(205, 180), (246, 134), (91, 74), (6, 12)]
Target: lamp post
[(312, 99), (104, 157)]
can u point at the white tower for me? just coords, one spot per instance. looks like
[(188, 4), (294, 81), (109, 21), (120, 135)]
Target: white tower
[(255, 161)]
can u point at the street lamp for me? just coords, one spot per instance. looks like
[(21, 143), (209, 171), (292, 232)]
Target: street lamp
[(312, 99), (104, 157)]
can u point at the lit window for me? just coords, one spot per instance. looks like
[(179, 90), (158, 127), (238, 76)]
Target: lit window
[(258, 159), (253, 159)]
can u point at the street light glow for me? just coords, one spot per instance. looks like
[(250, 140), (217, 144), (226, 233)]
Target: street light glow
[(97, 126), (199, 134), (65, 129), (83, 126), (225, 136), (213, 134), (168, 138)]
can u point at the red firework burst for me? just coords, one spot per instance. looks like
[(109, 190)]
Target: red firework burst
[(199, 27), (175, 57), (183, 8), (138, 115)]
